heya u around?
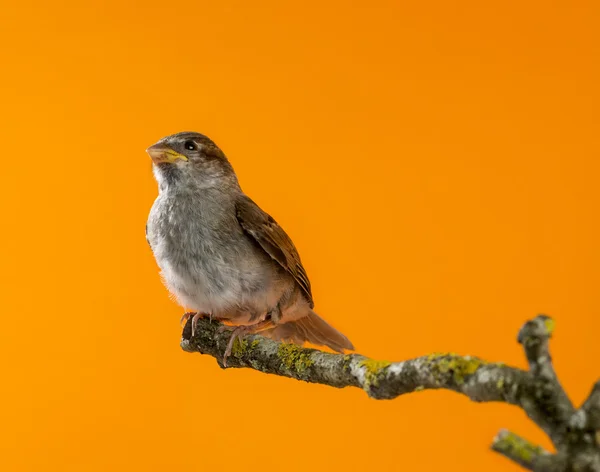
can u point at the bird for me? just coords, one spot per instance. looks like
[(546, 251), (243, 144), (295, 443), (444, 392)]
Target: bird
[(222, 256)]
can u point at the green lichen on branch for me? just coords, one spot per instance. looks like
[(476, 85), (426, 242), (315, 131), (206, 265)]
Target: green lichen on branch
[(518, 449), (294, 358), (460, 367), (549, 324), (374, 371), (239, 348), (346, 363)]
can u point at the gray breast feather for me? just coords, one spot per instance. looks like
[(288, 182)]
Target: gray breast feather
[(207, 261)]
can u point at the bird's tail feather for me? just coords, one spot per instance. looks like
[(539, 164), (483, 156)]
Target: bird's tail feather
[(311, 328)]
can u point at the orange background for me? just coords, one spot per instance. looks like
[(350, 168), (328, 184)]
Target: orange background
[(436, 164)]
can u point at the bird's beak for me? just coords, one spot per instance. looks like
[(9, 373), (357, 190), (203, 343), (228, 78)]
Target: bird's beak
[(160, 152)]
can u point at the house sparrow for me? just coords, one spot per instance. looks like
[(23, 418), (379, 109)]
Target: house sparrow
[(224, 257)]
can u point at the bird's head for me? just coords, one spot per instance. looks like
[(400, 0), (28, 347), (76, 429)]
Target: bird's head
[(192, 160)]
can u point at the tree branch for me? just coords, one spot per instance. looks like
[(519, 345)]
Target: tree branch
[(536, 391)]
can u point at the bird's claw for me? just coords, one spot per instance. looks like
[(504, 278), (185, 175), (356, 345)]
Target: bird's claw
[(196, 316), (237, 332), (185, 317), (195, 319)]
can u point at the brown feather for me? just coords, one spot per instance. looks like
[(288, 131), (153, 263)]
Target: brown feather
[(311, 328), (274, 241)]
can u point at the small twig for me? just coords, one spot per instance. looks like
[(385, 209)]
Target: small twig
[(534, 336), (518, 449), (556, 408)]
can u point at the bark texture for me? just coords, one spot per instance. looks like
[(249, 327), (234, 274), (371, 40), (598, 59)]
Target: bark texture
[(575, 432)]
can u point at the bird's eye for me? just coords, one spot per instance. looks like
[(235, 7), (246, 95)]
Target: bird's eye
[(190, 145)]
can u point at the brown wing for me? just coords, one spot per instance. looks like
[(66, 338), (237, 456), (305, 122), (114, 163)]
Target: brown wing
[(274, 241)]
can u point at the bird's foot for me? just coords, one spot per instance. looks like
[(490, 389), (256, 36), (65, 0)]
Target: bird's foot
[(238, 332), (185, 317), (195, 317)]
